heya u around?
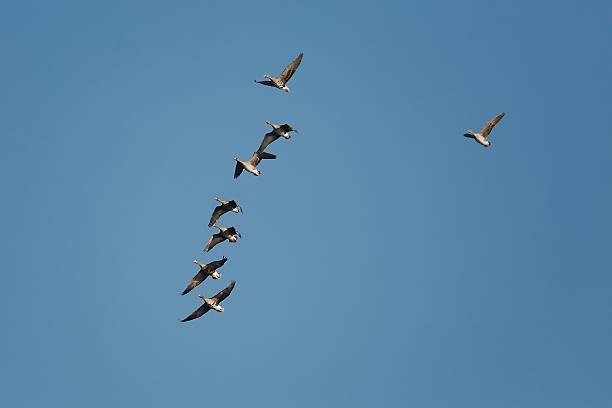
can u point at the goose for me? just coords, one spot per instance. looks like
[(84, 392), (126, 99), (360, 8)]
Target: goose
[(222, 208), (481, 137), (277, 131), (211, 303), (206, 270), (231, 234), (280, 81), (251, 165)]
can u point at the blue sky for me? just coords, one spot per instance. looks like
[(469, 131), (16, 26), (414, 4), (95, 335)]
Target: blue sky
[(385, 259)]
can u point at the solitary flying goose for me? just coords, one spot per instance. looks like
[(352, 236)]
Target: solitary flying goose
[(206, 270), (231, 234), (481, 137), (251, 165), (280, 81), (211, 303), (222, 208), (277, 131)]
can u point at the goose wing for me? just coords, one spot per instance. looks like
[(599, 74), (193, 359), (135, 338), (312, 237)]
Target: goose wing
[(267, 83), (268, 138), (488, 127), (198, 313), (214, 265), (287, 128), (233, 205), (238, 169), (214, 240), (290, 70), (219, 297), (195, 281), (232, 231), (218, 212)]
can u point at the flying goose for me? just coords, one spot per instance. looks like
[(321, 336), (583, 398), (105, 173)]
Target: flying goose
[(231, 234), (222, 208), (280, 81), (277, 131), (206, 270), (251, 165), (481, 137), (211, 303)]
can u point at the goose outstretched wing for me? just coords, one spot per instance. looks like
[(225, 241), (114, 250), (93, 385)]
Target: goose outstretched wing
[(214, 265), (488, 127), (232, 231), (290, 70), (198, 313), (287, 128), (214, 240), (219, 297), (268, 138), (267, 83), (195, 281), (238, 169), (218, 212)]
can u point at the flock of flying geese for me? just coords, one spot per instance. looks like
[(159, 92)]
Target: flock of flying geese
[(231, 234)]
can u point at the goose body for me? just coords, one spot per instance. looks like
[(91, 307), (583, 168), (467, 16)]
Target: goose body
[(211, 303), (482, 136), (225, 206), (280, 81), (206, 270), (251, 165), (277, 132), (230, 234)]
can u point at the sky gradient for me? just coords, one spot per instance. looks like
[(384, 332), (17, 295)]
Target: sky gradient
[(385, 261)]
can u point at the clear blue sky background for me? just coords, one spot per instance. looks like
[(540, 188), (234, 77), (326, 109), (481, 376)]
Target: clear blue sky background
[(385, 260)]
